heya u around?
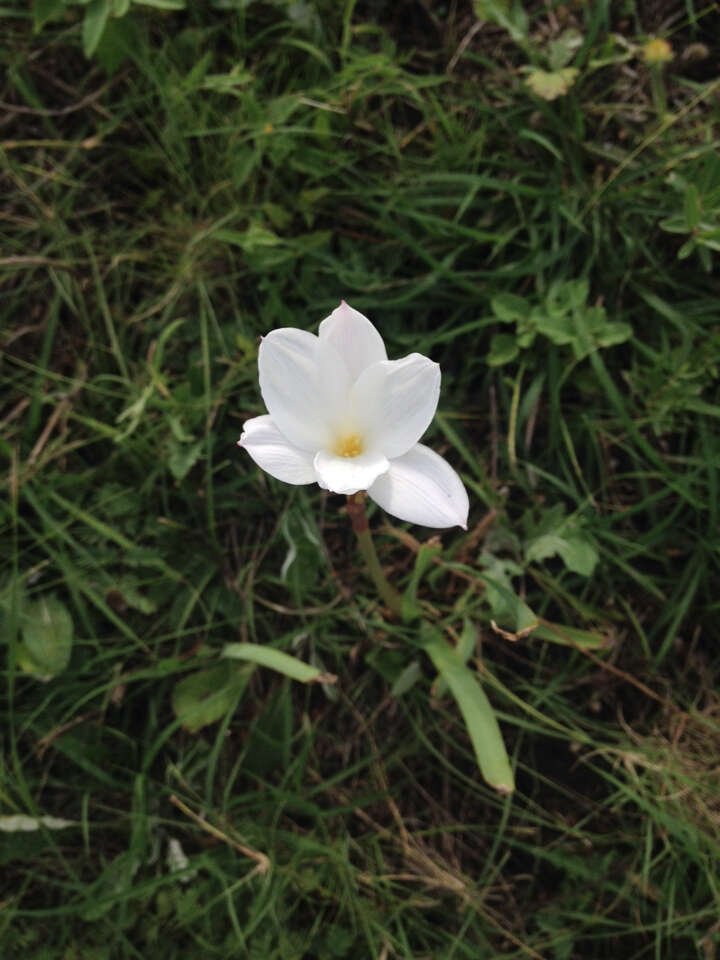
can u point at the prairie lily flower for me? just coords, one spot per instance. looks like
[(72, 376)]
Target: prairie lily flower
[(344, 416)]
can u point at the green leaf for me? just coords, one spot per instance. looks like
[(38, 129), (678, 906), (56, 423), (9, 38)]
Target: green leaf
[(613, 333), (692, 206), (255, 238), (45, 10), (114, 48), (509, 308), (47, 637), (557, 327), (562, 50), (466, 645), (183, 457), (506, 607), (423, 562), (551, 85), (511, 17), (20, 823), (407, 679), (276, 660), (675, 224), (206, 696), (163, 4), (569, 636), (96, 15), (568, 541), (503, 349), (475, 707)]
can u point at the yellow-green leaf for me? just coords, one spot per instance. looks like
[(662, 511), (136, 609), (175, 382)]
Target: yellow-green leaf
[(277, 660), (47, 636), (551, 85), (477, 712)]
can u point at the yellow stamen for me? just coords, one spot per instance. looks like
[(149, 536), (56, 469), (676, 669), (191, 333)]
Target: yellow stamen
[(350, 445)]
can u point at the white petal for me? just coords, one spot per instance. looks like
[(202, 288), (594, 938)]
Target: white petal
[(305, 385), (354, 337), (421, 487), (395, 400), (349, 474), (271, 451)]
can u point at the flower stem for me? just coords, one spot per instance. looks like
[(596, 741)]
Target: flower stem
[(358, 518)]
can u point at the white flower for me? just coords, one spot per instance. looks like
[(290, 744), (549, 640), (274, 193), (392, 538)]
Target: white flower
[(344, 416)]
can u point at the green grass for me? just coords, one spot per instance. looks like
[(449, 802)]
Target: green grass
[(241, 172)]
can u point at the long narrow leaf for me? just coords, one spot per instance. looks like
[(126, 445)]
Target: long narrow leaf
[(277, 660), (477, 712)]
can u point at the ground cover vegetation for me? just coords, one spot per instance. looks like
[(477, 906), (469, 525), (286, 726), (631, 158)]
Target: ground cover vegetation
[(531, 197)]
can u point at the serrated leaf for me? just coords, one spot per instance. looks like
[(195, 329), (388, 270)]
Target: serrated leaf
[(551, 85), (47, 637), (206, 696), (478, 714)]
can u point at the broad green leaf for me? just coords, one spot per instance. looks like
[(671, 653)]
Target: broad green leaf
[(551, 85), (275, 660), (562, 50), (509, 308), (44, 10), (613, 333), (120, 7), (206, 696), (557, 327), (503, 349), (47, 637), (570, 543), (467, 643), (477, 712), (96, 16), (182, 457), (116, 43)]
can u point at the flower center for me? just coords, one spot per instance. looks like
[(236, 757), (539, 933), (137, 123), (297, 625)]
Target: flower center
[(349, 445)]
